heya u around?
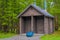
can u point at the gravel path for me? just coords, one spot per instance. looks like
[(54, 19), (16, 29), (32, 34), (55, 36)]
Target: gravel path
[(23, 37)]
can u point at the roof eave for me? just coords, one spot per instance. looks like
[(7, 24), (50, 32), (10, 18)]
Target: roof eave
[(36, 9)]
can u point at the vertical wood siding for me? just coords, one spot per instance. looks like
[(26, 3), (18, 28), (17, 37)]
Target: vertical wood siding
[(46, 25), (39, 25), (27, 24), (21, 25), (31, 11), (51, 25)]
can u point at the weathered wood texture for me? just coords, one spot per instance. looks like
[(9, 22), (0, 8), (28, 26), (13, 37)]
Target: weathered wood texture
[(39, 24), (31, 11), (32, 23), (46, 25), (21, 25), (33, 20), (51, 25), (27, 24)]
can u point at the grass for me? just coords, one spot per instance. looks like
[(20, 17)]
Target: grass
[(54, 36), (6, 35)]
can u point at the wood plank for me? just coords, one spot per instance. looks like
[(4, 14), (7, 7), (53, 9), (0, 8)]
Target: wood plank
[(32, 23), (20, 25)]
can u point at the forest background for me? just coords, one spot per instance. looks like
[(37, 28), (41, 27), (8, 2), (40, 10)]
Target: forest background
[(10, 9)]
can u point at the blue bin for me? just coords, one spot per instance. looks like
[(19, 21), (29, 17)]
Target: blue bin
[(29, 34)]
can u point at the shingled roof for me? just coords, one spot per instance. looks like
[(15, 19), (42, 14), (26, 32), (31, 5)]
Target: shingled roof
[(45, 13)]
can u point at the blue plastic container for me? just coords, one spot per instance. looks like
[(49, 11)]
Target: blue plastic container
[(29, 34)]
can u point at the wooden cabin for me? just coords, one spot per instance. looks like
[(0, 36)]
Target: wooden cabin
[(35, 19)]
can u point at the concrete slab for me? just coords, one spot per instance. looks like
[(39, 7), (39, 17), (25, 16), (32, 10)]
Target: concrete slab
[(23, 37)]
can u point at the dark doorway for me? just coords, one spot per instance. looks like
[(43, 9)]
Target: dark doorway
[(27, 24), (39, 24)]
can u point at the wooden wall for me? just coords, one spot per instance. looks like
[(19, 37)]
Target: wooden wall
[(46, 25), (31, 11), (21, 25), (35, 21), (27, 24), (51, 25), (39, 25)]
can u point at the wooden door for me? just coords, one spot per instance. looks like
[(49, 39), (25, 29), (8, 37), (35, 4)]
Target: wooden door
[(27, 24), (40, 25)]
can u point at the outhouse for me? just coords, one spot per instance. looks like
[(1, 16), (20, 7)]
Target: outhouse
[(35, 19)]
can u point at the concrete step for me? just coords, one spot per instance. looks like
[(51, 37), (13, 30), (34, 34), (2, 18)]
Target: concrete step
[(35, 37)]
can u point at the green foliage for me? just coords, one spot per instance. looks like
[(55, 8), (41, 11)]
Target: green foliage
[(6, 35), (54, 36)]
